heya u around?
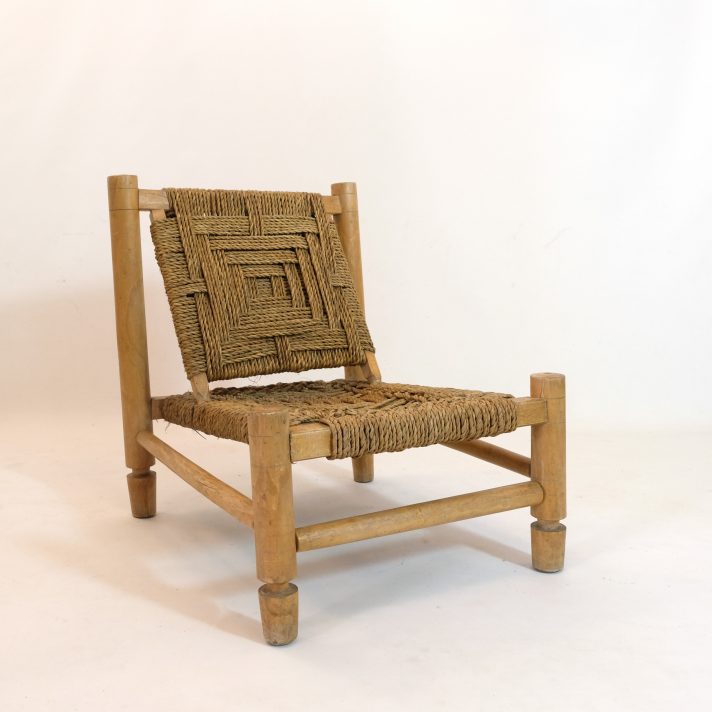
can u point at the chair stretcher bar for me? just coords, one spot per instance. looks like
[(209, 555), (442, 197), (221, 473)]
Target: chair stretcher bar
[(233, 502), (418, 516), (495, 454)]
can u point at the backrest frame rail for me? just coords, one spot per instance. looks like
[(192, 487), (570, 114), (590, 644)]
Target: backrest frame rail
[(158, 200)]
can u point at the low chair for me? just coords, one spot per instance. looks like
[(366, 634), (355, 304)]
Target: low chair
[(267, 282)]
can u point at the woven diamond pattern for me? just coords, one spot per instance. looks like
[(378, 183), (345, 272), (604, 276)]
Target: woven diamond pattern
[(257, 283)]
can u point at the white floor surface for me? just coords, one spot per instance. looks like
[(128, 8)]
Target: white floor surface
[(103, 612)]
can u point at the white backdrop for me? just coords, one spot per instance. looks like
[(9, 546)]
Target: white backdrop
[(534, 181)]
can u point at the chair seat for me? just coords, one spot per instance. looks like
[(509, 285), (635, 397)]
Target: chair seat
[(363, 417)]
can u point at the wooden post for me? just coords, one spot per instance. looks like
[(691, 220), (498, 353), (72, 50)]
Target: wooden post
[(273, 511), (131, 339), (548, 468), (350, 235)]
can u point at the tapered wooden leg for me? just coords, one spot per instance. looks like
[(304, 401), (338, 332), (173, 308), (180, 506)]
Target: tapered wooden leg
[(548, 468), (363, 468), (273, 510), (142, 493), (131, 340)]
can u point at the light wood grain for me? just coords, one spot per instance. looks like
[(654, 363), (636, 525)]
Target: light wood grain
[(530, 411), (309, 441), (273, 507), (131, 338), (152, 200), (157, 407), (418, 516), (332, 204), (372, 370), (142, 493), (548, 546), (363, 468), (347, 224), (494, 454), (200, 387), (130, 317), (279, 610), (548, 468), (227, 498)]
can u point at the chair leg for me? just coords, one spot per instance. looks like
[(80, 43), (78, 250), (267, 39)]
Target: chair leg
[(363, 468), (273, 511), (548, 468), (142, 493), (131, 340)]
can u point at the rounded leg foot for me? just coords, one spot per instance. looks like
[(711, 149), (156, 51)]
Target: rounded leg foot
[(142, 494), (363, 468), (279, 608), (548, 544)]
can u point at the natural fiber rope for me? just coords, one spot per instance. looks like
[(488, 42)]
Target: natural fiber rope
[(363, 417), (257, 283)]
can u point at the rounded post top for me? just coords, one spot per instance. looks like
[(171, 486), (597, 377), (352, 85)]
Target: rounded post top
[(122, 181), (342, 188), (347, 195), (547, 385), (123, 192)]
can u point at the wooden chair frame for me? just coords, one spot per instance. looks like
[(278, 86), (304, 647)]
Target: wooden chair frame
[(274, 445)]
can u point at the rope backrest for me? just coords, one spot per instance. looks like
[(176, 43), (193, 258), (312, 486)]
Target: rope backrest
[(257, 283)]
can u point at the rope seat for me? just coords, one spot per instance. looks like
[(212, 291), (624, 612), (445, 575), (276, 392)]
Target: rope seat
[(363, 417)]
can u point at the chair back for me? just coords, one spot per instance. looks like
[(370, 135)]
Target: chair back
[(257, 283)]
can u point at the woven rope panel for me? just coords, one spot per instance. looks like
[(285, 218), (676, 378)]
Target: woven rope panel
[(363, 417), (257, 283)]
